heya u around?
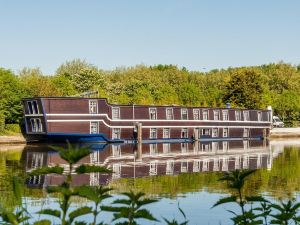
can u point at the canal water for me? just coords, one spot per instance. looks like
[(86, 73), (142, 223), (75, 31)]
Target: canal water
[(184, 174)]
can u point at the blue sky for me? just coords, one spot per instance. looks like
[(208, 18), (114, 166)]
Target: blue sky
[(200, 35)]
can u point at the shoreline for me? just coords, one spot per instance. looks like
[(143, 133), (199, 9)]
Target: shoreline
[(276, 133)]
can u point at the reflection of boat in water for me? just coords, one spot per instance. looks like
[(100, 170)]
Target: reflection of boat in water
[(130, 161)]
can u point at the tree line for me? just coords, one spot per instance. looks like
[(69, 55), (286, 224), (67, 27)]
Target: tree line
[(276, 84)]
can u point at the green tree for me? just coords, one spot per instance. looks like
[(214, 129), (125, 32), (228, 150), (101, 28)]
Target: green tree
[(245, 88)]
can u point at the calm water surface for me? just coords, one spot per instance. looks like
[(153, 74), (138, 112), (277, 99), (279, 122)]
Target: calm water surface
[(180, 173)]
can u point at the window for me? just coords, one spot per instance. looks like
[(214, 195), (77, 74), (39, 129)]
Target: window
[(238, 115), (153, 133), (166, 148), (225, 132), (36, 125), (246, 116), (184, 166), (184, 114), (153, 168), (205, 147), (246, 132), (166, 133), (215, 146), (225, 146), (184, 147), (169, 114), (196, 166), (259, 116), (215, 132), (216, 115), (170, 167), (93, 106), (153, 149), (152, 113), (225, 115), (196, 113), (205, 114), (115, 113), (205, 132), (184, 133), (116, 150), (94, 128), (33, 107), (116, 168), (116, 133)]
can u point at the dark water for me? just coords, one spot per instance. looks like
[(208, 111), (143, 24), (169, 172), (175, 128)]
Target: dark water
[(179, 173)]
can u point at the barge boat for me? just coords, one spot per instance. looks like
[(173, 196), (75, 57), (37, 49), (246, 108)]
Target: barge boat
[(95, 120)]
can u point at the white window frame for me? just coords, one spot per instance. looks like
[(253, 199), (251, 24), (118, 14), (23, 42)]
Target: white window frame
[(33, 110), (184, 168), (218, 114), (225, 115), (246, 115), (150, 113), (238, 115), (92, 105), (226, 134), (184, 147), (166, 148), (203, 133), (153, 149), (153, 131), (164, 133), (246, 132), (187, 132), (172, 114), (153, 168), (203, 111), (187, 113), (113, 115), (36, 125), (213, 134), (114, 134), (116, 151), (97, 127), (196, 114), (259, 116), (170, 167)]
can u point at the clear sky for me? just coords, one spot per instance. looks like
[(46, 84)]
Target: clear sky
[(200, 35)]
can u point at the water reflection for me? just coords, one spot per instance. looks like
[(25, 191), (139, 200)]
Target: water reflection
[(135, 161)]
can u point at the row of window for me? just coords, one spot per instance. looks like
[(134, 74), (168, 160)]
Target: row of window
[(213, 132), (220, 164), (196, 114)]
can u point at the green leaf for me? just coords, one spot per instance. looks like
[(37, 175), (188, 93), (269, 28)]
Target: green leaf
[(46, 170), (50, 212), (92, 169), (42, 222), (225, 200), (255, 199), (80, 212), (144, 214), (72, 154)]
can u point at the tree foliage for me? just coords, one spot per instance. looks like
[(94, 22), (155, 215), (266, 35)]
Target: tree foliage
[(247, 87)]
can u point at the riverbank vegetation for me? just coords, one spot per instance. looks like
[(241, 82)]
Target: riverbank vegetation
[(277, 85)]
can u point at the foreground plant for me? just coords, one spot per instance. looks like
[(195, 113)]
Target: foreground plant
[(72, 155), (175, 222), (131, 209), (97, 195), (19, 215), (236, 180), (287, 212)]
